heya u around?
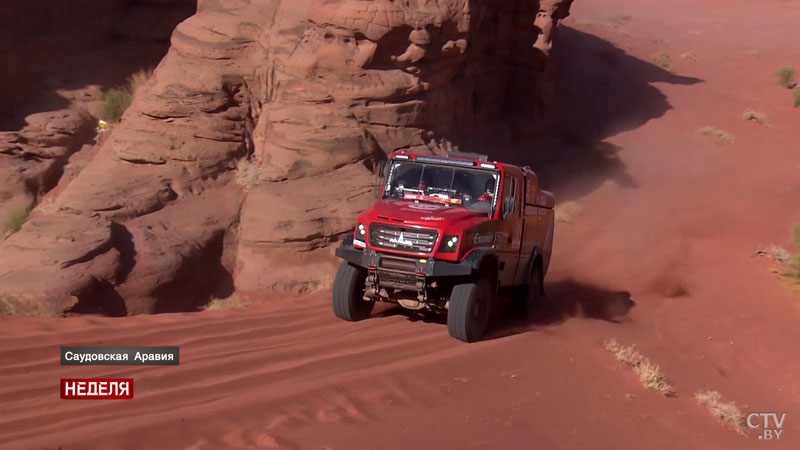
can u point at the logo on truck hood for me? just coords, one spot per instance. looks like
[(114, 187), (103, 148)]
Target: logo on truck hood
[(423, 207)]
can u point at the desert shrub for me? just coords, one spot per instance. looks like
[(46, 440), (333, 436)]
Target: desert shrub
[(620, 19), (113, 104), (663, 60), (14, 218), (138, 79), (247, 173), (717, 135), (233, 302), (115, 101), (726, 412), (649, 374), (793, 262), (755, 116), (692, 56), (786, 77)]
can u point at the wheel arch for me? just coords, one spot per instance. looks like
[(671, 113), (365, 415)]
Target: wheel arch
[(485, 262)]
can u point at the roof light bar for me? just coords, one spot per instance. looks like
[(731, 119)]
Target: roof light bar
[(401, 157), (488, 166), (448, 161)]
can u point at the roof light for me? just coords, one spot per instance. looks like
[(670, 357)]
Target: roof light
[(488, 166), (401, 157), (448, 161)]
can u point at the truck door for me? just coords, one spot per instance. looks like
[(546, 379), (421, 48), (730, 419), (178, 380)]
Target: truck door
[(512, 213)]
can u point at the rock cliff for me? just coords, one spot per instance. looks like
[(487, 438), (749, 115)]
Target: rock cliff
[(255, 144)]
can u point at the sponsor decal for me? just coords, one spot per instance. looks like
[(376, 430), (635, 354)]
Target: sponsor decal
[(486, 239), (432, 218), (358, 243)]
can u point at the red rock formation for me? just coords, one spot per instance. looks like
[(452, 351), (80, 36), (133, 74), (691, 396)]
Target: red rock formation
[(54, 57), (298, 101)]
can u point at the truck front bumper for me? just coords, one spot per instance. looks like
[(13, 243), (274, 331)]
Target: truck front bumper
[(423, 267)]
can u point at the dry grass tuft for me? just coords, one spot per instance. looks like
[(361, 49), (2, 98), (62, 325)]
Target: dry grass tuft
[(649, 374), (793, 262), (755, 116), (786, 77), (727, 413), (324, 282), (247, 173), (717, 135), (7, 305), (663, 60), (620, 19), (115, 101), (233, 302), (775, 253), (692, 56), (14, 218)]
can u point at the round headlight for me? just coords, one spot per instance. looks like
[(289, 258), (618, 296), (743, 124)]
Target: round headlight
[(452, 242), (362, 230)]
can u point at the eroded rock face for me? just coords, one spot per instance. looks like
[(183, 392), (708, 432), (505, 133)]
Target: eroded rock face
[(52, 69), (299, 101)]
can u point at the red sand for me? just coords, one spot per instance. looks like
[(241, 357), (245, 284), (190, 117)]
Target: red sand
[(288, 374)]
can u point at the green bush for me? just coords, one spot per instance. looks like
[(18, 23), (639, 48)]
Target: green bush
[(14, 218), (115, 101), (113, 104), (786, 77)]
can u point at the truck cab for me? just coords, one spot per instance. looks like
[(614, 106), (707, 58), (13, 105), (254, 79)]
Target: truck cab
[(446, 235)]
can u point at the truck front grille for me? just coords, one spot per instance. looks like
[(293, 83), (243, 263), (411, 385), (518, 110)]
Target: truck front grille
[(405, 239)]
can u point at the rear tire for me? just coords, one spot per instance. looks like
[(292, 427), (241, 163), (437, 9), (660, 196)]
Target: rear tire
[(529, 298), (348, 294), (470, 308)]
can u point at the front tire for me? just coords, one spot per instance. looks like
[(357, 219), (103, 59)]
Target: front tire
[(470, 308), (348, 294)]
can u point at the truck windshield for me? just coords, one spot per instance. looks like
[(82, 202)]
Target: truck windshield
[(452, 186)]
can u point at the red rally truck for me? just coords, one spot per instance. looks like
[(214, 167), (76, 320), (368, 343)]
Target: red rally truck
[(447, 235)]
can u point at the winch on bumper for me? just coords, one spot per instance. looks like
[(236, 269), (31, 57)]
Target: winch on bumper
[(415, 283)]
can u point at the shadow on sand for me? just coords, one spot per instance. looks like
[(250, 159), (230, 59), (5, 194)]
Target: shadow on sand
[(565, 300), (600, 91)]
